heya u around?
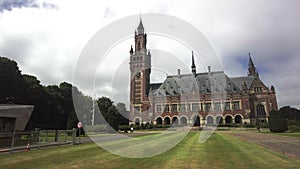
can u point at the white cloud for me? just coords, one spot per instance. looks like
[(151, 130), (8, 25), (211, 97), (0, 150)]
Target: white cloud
[(47, 43)]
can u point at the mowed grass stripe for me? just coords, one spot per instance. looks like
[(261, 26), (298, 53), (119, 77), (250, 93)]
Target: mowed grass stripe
[(225, 151), (219, 151)]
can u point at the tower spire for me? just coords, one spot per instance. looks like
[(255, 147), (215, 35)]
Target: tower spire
[(251, 68), (250, 64), (193, 64), (140, 28)]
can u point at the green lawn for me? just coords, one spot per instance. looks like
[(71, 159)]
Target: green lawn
[(220, 151)]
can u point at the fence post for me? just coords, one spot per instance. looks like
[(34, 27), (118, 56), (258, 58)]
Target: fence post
[(79, 131), (74, 135), (46, 139), (39, 137), (12, 141), (57, 131), (66, 134)]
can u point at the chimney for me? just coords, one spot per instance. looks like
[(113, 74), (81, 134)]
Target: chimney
[(209, 70), (178, 70)]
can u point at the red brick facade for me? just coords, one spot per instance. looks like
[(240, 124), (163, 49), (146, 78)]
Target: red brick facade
[(196, 98)]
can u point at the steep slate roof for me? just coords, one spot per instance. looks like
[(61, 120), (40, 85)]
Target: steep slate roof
[(240, 80), (216, 82), (154, 86)]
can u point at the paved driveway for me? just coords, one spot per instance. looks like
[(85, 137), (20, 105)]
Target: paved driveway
[(289, 146)]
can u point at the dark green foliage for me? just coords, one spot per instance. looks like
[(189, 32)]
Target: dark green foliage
[(72, 120), (277, 122), (290, 113), (52, 104), (12, 83), (113, 115)]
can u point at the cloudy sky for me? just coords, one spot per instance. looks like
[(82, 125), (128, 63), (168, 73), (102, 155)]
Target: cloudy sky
[(46, 38)]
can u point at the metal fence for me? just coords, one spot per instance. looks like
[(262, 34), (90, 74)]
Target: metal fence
[(27, 140)]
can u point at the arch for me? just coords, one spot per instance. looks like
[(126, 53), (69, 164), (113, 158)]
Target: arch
[(228, 119), (260, 110), (209, 120), (167, 120), (238, 119), (219, 119), (196, 120), (175, 120), (183, 120), (137, 121), (159, 120)]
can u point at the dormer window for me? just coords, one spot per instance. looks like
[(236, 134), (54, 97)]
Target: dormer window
[(257, 89)]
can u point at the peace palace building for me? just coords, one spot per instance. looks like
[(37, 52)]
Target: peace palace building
[(195, 99)]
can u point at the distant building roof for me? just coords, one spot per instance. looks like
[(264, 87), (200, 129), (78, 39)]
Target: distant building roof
[(21, 113)]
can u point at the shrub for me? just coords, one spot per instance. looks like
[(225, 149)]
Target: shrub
[(264, 125), (124, 127), (249, 125), (276, 122), (229, 125)]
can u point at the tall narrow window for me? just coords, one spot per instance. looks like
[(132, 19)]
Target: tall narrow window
[(174, 107), (158, 108), (207, 106), (182, 107), (227, 106), (167, 108), (195, 107), (260, 109), (217, 106), (236, 105)]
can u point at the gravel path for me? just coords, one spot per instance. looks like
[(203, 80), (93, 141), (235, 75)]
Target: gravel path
[(289, 146)]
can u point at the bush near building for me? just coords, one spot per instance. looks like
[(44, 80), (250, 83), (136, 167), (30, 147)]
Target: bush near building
[(277, 122)]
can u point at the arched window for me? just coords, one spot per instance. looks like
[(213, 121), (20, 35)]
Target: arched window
[(175, 120), (260, 109), (196, 121), (183, 120), (137, 121), (228, 119), (167, 121), (159, 121), (219, 120), (209, 120), (238, 119)]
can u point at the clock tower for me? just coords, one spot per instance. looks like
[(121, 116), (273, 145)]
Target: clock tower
[(140, 69)]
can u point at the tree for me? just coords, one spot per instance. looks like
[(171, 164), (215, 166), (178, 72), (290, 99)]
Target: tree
[(290, 113), (124, 114), (72, 120), (277, 122), (113, 115), (52, 104), (12, 85)]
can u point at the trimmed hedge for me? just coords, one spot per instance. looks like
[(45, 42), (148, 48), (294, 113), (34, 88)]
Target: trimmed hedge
[(277, 123)]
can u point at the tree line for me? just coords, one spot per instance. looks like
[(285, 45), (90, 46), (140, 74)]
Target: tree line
[(53, 104)]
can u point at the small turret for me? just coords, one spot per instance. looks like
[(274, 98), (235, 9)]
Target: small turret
[(193, 65), (273, 89), (131, 50), (251, 68)]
